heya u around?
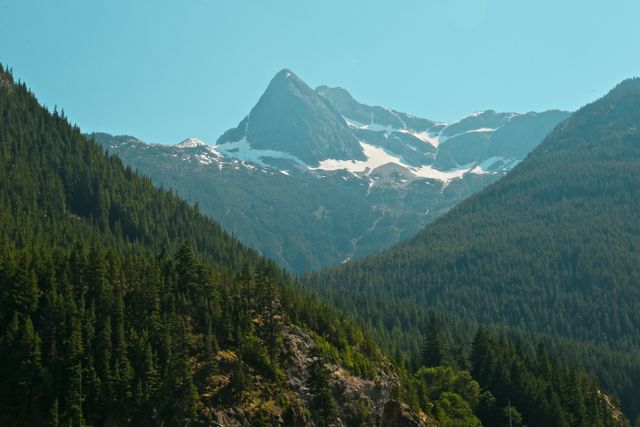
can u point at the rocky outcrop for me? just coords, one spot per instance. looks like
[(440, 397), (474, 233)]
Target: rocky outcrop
[(359, 400), (398, 414)]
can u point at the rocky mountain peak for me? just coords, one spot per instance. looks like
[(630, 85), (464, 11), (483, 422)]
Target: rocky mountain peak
[(191, 143), (292, 118)]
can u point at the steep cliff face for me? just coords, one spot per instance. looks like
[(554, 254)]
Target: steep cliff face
[(359, 400), (292, 118)]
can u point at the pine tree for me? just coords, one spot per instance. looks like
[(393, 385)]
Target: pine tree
[(54, 416), (434, 352), (73, 393), (318, 382), (186, 268)]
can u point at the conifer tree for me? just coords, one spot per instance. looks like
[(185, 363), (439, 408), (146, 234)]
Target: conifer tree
[(318, 382), (434, 351)]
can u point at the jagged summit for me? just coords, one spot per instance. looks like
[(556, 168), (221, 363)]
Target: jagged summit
[(328, 129), (292, 118), (286, 83), (287, 80), (364, 114), (366, 176), (342, 100), (286, 73)]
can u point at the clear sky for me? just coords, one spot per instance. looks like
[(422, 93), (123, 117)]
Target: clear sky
[(165, 70)]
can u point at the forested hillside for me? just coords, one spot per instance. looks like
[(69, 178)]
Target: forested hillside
[(123, 304), (552, 249), (120, 304)]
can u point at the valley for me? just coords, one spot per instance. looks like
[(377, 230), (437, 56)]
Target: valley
[(319, 214), (376, 177)]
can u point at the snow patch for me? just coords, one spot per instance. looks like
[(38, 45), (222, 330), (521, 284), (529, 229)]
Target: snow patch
[(432, 139), (377, 157), (489, 165), (204, 159), (241, 150), (373, 126), (474, 114), (191, 143)]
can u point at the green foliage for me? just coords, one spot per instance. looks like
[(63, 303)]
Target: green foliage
[(255, 354), (120, 303), (434, 382), (358, 414), (434, 351), (506, 381), (320, 389), (538, 389), (451, 410), (549, 251), (448, 395)]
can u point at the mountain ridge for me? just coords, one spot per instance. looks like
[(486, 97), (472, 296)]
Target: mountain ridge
[(409, 141), (291, 117), (307, 217)]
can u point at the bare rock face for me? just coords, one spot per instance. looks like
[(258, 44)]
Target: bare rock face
[(291, 117), (360, 401), (398, 414)]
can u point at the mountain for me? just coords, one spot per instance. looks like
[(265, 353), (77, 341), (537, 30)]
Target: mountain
[(550, 249), (121, 304), (292, 118), (312, 178)]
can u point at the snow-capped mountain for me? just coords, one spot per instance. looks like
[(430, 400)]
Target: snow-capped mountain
[(312, 177), (327, 130), (292, 118)]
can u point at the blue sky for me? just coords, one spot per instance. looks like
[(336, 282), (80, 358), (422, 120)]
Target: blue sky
[(165, 70)]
